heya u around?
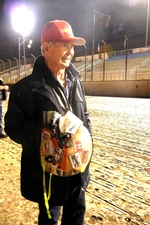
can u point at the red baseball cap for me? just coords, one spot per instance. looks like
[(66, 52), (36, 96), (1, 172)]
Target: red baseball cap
[(60, 31)]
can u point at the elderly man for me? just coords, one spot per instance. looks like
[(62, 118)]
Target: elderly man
[(54, 88)]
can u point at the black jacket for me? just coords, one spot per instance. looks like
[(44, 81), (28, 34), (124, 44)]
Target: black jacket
[(28, 98)]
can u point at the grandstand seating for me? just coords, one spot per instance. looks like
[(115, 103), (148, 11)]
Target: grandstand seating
[(138, 68), (114, 68)]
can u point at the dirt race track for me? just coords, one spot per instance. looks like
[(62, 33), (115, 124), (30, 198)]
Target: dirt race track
[(119, 191)]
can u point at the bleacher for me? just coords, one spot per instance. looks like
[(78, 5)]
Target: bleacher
[(115, 68), (138, 67), (112, 69)]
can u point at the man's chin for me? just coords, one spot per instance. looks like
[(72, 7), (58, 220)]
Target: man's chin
[(66, 64)]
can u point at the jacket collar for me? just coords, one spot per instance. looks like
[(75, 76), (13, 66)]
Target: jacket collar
[(41, 71)]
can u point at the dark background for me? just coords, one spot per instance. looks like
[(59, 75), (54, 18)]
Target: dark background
[(127, 17)]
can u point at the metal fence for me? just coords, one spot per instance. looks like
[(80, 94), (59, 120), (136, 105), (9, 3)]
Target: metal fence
[(114, 66), (11, 71), (107, 66)]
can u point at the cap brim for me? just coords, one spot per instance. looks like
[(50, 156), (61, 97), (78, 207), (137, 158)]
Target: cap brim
[(77, 40)]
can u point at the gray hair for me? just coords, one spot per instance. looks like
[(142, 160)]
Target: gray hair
[(42, 50), (52, 42)]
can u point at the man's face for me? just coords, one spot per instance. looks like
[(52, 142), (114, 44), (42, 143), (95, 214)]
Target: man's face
[(60, 54)]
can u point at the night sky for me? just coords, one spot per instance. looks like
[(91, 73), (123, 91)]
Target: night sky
[(127, 17)]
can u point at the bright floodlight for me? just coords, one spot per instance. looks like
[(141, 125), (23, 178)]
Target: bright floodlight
[(22, 20)]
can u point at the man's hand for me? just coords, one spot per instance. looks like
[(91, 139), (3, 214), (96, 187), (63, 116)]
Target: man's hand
[(5, 87)]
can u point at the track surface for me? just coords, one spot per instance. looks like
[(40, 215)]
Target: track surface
[(119, 191)]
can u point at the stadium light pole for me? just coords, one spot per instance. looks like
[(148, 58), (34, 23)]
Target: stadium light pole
[(93, 33), (126, 62), (24, 63), (147, 23), (19, 49), (85, 61), (104, 59), (22, 22), (17, 65)]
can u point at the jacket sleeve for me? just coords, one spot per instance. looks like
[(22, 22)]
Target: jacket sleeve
[(87, 118), (79, 105), (21, 125)]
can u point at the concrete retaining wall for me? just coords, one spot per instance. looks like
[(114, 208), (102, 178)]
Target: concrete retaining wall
[(118, 88)]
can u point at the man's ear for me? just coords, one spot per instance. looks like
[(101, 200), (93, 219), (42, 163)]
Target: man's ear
[(46, 47)]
